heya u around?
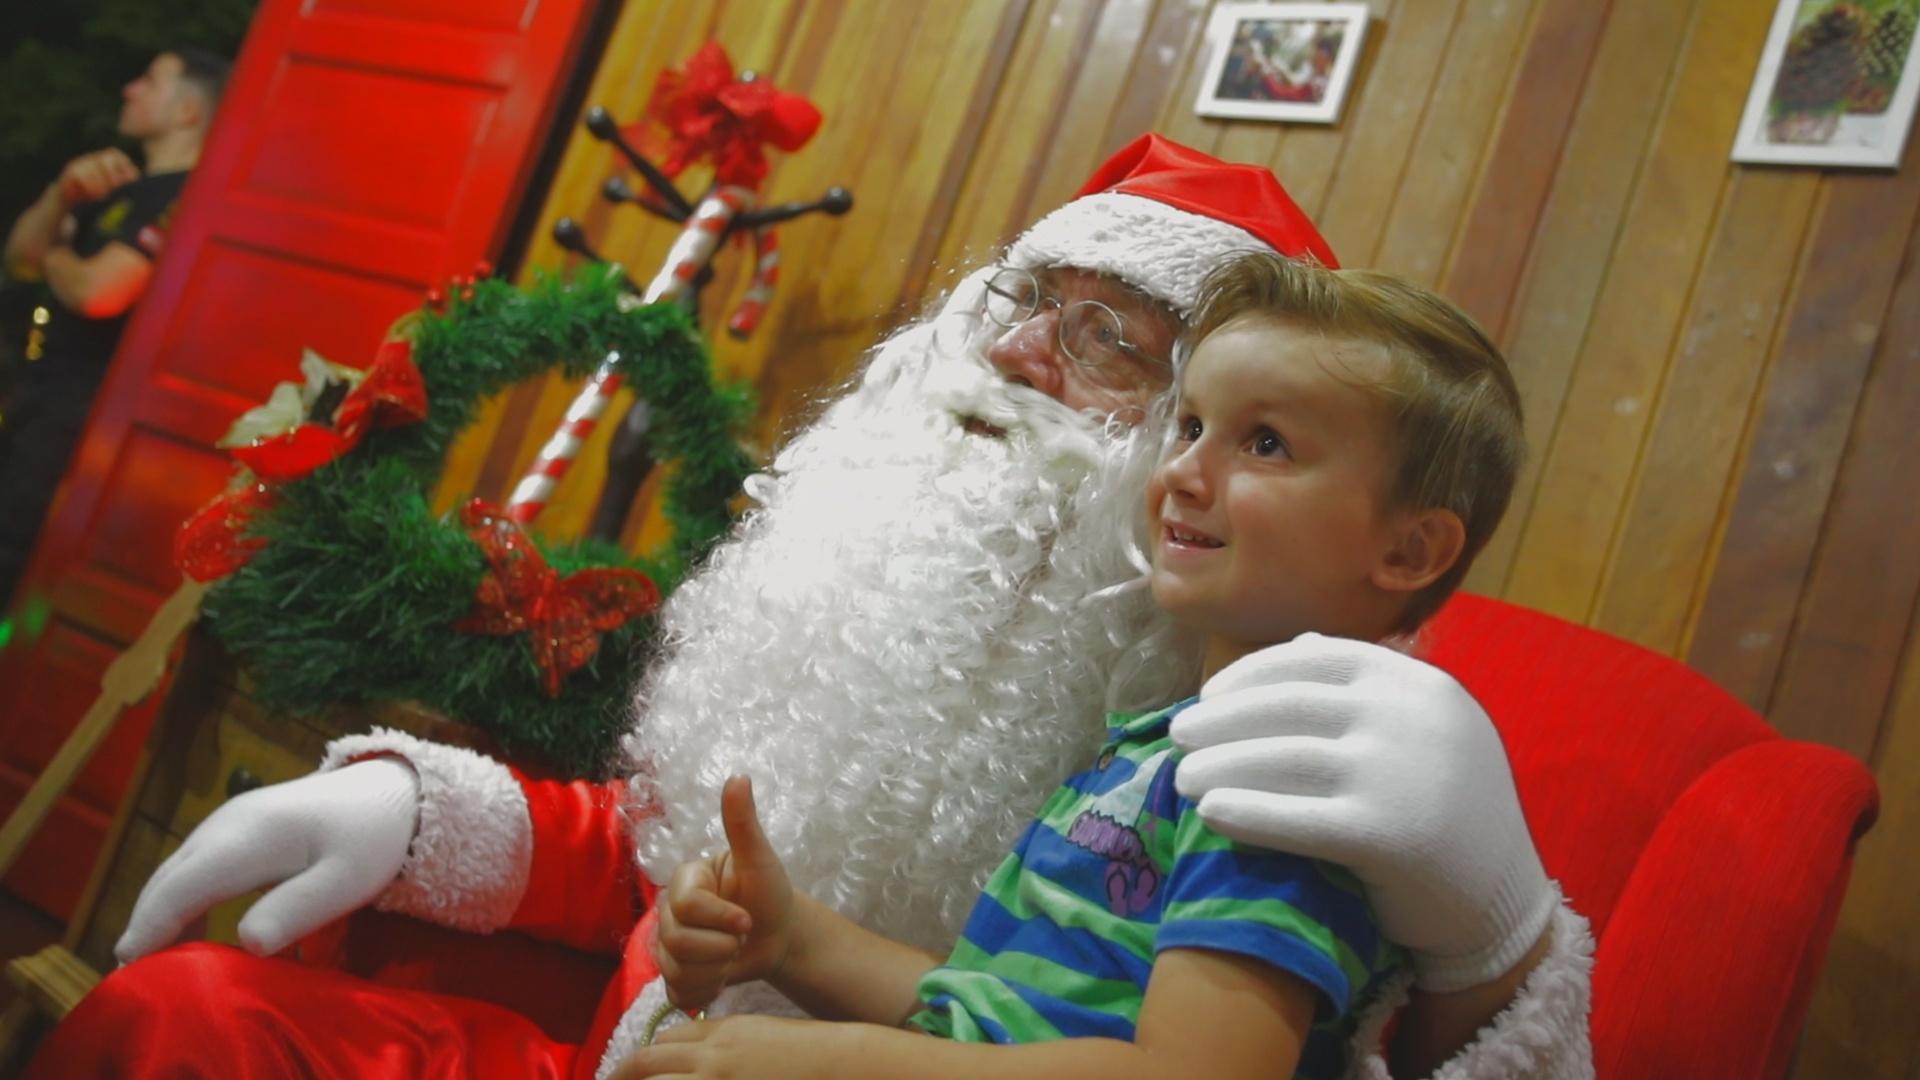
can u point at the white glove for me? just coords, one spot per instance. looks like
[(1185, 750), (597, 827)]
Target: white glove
[(1358, 755), (329, 842)]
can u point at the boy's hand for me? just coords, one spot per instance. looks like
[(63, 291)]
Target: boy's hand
[(728, 918), (743, 1048), (91, 176)]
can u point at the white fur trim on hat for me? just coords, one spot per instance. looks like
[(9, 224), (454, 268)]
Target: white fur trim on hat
[(472, 855), (1541, 1035), (1162, 249)]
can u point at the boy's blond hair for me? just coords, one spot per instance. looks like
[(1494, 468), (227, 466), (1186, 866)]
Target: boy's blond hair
[(1457, 411)]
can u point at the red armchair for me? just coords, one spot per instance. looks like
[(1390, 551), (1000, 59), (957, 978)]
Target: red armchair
[(1710, 853)]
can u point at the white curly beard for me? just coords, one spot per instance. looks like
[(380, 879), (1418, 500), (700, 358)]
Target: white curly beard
[(907, 645)]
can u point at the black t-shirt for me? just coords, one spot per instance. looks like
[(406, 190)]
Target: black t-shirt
[(77, 349)]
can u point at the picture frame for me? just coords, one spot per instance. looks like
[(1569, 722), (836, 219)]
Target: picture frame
[(1835, 86), (1287, 62)]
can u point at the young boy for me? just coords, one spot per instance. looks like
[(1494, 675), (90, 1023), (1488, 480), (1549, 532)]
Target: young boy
[(1345, 443)]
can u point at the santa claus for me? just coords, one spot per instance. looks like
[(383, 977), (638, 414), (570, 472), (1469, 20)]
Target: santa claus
[(912, 638)]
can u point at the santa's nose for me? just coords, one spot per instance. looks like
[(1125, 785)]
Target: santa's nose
[(1029, 354)]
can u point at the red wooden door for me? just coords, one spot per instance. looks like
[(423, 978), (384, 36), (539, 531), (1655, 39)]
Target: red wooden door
[(365, 149)]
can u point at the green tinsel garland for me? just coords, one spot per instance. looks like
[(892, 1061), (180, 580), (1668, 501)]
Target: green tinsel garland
[(353, 597)]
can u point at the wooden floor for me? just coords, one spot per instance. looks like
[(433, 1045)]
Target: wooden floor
[(24, 929)]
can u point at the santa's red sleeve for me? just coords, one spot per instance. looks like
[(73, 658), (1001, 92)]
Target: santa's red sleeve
[(496, 850)]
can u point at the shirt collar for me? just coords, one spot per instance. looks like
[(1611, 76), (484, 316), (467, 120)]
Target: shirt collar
[(1134, 724)]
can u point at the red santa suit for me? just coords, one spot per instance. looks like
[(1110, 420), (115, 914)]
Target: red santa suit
[(908, 644)]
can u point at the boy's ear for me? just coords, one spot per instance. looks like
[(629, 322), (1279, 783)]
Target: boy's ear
[(1429, 542)]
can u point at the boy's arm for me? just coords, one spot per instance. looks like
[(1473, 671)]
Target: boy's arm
[(735, 917), (840, 970), (1206, 1013)]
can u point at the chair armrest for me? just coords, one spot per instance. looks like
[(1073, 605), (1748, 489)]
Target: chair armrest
[(1713, 950)]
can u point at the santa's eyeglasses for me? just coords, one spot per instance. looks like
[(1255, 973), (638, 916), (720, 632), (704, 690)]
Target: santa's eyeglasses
[(1091, 333)]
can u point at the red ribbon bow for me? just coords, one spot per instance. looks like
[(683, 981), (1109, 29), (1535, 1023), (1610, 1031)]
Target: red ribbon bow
[(563, 617), (210, 544), (712, 116)]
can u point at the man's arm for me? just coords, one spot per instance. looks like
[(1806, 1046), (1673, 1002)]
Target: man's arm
[(99, 287), (1206, 1014), (37, 231)]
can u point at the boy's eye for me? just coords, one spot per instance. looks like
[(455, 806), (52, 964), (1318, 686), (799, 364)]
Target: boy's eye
[(1269, 444), (1189, 428)]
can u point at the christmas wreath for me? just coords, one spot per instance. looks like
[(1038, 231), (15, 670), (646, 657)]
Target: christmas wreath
[(342, 586)]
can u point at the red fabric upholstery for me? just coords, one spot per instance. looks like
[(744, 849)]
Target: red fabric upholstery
[(1709, 852)]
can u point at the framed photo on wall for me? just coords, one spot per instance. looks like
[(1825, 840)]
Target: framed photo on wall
[(1281, 61), (1836, 85)]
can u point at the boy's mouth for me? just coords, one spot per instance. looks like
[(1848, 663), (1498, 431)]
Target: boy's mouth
[(1181, 536)]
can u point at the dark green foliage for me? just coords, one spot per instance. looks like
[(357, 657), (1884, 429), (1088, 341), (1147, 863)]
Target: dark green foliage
[(354, 596)]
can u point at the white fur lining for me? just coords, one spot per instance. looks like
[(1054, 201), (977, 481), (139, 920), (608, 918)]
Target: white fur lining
[(470, 859), (651, 1010), (1162, 249), (1542, 1035)]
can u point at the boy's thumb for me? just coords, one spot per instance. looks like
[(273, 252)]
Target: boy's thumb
[(741, 819)]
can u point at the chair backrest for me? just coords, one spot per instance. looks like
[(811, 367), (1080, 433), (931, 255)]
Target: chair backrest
[(1711, 854), (1603, 734)]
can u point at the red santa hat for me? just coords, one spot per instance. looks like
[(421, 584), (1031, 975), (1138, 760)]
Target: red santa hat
[(1160, 216)]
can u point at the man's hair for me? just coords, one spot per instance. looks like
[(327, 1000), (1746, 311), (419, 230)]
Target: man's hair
[(1456, 408), (206, 72)]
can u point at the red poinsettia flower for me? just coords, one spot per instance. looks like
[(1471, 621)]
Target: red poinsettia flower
[(391, 393), (284, 440)]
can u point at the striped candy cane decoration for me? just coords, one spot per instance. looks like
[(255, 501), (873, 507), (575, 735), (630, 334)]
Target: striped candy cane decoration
[(691, 249), (766, 274)]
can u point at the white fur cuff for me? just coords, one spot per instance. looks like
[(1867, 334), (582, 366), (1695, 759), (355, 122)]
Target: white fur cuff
[(1542, 1035), (473, 851)]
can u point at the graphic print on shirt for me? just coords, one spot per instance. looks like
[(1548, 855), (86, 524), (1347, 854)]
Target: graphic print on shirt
[(1111, 828)]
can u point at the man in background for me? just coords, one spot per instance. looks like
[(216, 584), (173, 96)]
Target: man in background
[(93, 236)]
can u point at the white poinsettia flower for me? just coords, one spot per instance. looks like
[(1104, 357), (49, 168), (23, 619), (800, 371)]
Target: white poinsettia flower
[(291, 404)]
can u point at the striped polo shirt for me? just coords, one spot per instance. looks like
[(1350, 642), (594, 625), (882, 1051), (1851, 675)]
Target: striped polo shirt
[(1119, 866)]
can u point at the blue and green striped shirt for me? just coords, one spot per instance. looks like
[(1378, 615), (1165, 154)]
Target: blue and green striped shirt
[(1119, 866)]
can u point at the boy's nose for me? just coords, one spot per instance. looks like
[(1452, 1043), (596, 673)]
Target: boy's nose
[(1183, 475), (1029, 354)]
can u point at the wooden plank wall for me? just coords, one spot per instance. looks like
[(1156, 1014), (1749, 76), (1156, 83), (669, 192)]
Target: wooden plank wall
[(1720, 363)]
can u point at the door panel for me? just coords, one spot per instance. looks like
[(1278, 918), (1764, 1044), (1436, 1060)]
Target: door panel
[(240, 294), (365, 150)]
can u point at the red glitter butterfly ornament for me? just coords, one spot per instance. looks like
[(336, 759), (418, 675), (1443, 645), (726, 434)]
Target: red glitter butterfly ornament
[(563, 617)]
